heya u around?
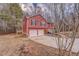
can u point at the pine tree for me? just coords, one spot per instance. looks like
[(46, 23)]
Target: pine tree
[(16, 12)]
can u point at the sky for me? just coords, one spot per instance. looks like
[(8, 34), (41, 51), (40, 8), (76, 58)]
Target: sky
[(45, 9)]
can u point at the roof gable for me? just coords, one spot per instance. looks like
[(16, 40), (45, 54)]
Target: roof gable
[(40, 17)]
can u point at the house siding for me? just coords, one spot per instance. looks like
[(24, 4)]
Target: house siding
[(27, 26)]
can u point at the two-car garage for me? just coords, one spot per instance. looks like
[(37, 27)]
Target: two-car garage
[(36, 32)]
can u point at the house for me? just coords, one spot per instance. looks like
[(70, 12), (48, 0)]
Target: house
[(36, 26)]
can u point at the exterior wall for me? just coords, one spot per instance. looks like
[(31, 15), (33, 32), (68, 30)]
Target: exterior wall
[(39, 19), (24, 26), (27, 25), (50, 25)]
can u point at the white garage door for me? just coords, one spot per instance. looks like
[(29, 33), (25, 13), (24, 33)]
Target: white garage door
[(40, 32), (33, 32)]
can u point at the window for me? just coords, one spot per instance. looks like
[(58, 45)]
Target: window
[(42, 23), (33, 22)]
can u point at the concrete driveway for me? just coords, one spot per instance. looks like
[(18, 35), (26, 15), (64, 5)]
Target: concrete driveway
[(52, 42), (45, 40)]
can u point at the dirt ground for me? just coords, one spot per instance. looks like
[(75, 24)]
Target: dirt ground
[(11, 44), (17, 45)]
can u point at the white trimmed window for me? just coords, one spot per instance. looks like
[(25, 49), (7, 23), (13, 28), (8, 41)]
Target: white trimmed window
[(33, 22), (42, 23)]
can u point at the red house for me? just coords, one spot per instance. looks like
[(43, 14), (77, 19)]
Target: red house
[(36, 26)]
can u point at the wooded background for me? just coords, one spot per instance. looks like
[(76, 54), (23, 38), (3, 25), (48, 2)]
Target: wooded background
[(64, 16)]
